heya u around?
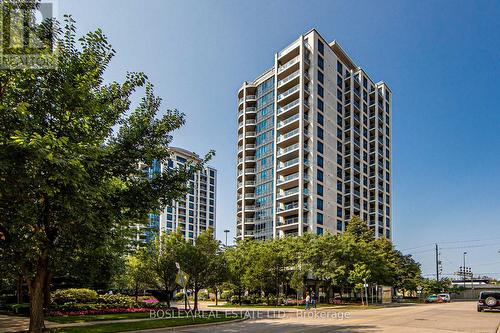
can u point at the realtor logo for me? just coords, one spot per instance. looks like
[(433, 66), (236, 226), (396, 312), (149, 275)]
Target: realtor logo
[(26, 34)]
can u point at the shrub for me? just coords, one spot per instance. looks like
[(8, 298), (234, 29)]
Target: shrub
[(226, 294), (62, 296), (202, 295), (117, 300)]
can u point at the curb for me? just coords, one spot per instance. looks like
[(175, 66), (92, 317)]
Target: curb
[(173, 328)]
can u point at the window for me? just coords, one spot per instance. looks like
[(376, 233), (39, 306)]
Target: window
[(319, 203), (339, 81), (321, 63), (339, 212), (339, 199), (320, 133), (319, 231), (320, 104), (320, 161), (319, 189), (339, 67), (320, 90), (339, 95), (365, 82), (320, 147), (321, 47), (321, 77), (339, 225), (319, 176), (319, 218), (339, 108), (320, 119)]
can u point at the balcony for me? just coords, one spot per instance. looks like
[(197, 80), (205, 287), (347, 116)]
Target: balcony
[(250, 134), (285, 179), (284, 165), (289, 48), (249, 208), (288, 107), (250, 183), (288, 92), (250, 98), (289, 78), (284, 151), (250, 122), (288, 64), (251, 109), (288, 135)]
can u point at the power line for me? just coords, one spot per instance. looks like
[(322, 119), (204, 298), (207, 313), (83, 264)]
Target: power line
[(450, 242)]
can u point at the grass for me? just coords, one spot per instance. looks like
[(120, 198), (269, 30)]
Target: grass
[(141, 325), (110, 316), (340, 306)]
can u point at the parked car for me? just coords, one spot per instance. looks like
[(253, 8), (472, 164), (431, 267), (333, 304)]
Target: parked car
[(432, 299), (488, 300), (445, 298)]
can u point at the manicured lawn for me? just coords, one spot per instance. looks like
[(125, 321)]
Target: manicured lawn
[(140, 325), (340, 306), (110, 316)]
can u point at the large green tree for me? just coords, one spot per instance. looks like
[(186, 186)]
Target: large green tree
[(161, 256), (197, 260), (70, 147)]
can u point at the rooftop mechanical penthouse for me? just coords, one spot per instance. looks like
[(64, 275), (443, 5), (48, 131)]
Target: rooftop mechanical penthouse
[(314, 145)]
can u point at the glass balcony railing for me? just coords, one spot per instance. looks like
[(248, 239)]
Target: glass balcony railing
[(288, 106), (289, 78), (288, 92), (288, 64), (289, 134)]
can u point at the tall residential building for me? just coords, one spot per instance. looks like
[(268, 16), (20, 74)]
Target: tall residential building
[(314, 145), (195, 212)]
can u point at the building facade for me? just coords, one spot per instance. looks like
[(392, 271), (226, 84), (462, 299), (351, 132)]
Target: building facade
[(314, 145), (193, 214)]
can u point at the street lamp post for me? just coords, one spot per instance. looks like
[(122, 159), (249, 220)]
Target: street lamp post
[(226, 232), (464, 269)]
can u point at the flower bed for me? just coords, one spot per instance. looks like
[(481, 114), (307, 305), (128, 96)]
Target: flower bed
[(104, 311)]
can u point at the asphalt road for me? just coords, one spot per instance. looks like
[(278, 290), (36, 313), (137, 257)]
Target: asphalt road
[(425, 318)]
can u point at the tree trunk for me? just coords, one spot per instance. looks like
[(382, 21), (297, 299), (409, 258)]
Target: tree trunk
[(195, 308), (216, 298), (167, 293), (19, 289), (36, 290), (136, 292)]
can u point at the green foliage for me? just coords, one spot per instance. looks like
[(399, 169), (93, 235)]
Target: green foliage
[(70, 147), (62, 296), (344, 260)]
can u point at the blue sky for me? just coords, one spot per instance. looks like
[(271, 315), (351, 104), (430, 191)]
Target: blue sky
[(440, 58)]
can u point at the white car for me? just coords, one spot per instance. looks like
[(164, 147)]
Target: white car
[(444, 298)]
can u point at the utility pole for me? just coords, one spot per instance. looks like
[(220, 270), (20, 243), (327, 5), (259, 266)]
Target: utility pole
[(464, 268), (437, 263), (226, 232)]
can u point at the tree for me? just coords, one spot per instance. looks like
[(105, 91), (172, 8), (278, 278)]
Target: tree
[(136, 275), (197, 259), (218, 273), (237, 261), (161, 256), (69, 149)]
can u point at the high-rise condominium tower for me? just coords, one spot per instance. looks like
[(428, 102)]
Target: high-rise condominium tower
[(195, 212), (314, 145)]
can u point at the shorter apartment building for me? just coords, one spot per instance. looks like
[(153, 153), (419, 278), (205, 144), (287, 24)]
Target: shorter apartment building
[(195, 212)]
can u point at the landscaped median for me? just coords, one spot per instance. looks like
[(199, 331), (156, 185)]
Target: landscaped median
[(136, 321)]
